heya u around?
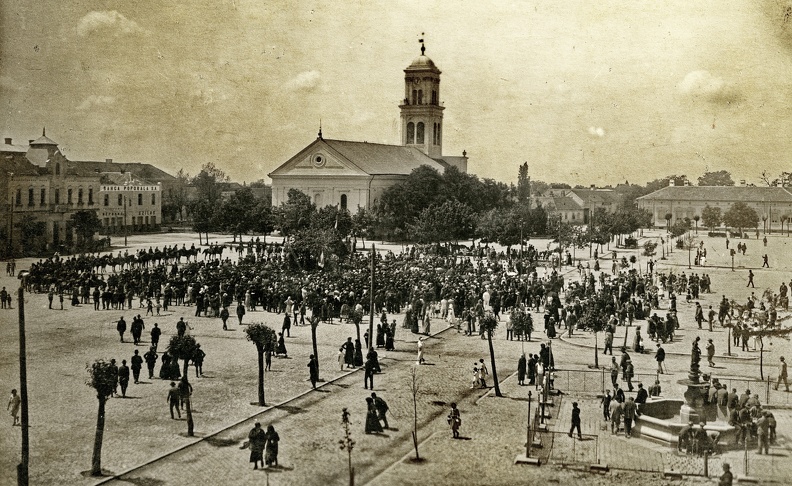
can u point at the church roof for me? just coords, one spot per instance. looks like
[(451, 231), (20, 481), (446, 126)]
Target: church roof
[(43, 140), (381, 159), (422, 62), (720, 193)]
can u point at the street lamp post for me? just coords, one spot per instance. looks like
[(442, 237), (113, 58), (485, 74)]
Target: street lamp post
[(11, 217), (124, 199), (22, 468)]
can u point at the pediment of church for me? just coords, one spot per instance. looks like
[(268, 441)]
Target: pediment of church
[(318, 159)]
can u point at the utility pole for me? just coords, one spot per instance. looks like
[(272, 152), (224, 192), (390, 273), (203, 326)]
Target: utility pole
[(371, 297), (125, 215), (22, 468), (11, 219)]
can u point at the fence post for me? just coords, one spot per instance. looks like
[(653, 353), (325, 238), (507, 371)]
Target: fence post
[(602, 381), (767, 390), (706, 463)]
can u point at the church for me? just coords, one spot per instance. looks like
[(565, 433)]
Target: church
[(354, 175)]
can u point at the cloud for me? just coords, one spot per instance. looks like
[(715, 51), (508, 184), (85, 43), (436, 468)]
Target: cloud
[(96, 101), (305, 81), (596, 131), (108, 21), (702, 84)]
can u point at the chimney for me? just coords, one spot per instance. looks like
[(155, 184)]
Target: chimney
[(742, 182), (8, 141), (593, 186), (671, 183), (109, 161)]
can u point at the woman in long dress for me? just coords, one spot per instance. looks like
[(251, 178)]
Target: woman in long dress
[(257, 438), (282, 345), (420, 351), (372, 420), (271, 450)]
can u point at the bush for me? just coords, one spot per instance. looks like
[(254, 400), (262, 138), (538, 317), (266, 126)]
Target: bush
[(717, 234), (630, 242)]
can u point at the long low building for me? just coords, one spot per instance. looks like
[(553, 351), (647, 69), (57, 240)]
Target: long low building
[(689, 201)]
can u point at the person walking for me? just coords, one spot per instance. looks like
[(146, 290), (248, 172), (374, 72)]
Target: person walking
[(750, 279), (606, 401), (710, 353), (13, 406), (137, 365), (575, 421), (454, 420), (629, 415), (224, 317), (382, 409), (185, 390), (782, 374), (349, 353), (483, 373), (198, 360), (764, 261), (372, 422), (155, 335), (660, 357), (151, 360), (173, 400), (368, 374), (313, 370), (615, 416), (271, 449), (614, 371), (522, 366), (121, 327), (257, 440), (123, 377), (181, 327), (420, 351), (240, 311), (699, 315)]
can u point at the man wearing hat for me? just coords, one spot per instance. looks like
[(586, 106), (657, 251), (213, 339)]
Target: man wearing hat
[(710, 352), (685, 436), (763, 432), (575, 420), (641, 397), (660, 357)]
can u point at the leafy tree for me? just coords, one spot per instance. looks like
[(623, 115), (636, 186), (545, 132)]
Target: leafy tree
[(207, 182), (740, 215), (523, 183), (649, 248), (716, 178), (521, 322), (451, 220), (175, 197), (595, 316), (184, 348), (357, 317), (204, 215), (657, 184), (489, 323), (314, 321), (86, 223), (102, 378), (362, 224), (237, 214), (32, 234), (264, 339), (680, 227), (711, 217), (262, 217), (401, 203), (332, 218), (295, 214)]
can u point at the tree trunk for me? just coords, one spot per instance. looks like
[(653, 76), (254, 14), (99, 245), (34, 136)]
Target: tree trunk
[(260, 353), (492, 361), (357, 328), (596, 351), (96, 461), (761, 358), (190, 423), (315, 349)]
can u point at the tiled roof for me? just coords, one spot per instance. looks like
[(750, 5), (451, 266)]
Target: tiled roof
[(144, 172), (566, 204), (381, 159), (18, 149), (598, 195), (720, 193)]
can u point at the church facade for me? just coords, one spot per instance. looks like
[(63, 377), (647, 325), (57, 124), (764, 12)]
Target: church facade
[(354, 175)]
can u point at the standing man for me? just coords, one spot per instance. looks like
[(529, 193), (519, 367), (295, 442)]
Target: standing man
[(13, 406), (240, 311), (181, 327), (151, 360), (155, 335), (782, 374), (614, 371), (606, 401), (123, 377), (313, 370), (575, 420), (727, 477), (382, 410), (762, 432), (710, 352), (121, 328), (137, 365), (629, 415), (483, 373), (454, 420), (368, 377), (711, 318), (198, 360), (699, 316), (764, 261), (750, 279), (173, 400), (660, 357)]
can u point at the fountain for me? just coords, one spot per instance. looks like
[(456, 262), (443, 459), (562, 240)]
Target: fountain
[(662, 419)]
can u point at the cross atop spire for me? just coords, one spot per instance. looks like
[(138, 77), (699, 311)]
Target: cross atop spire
[(421, 41), (320, 129)]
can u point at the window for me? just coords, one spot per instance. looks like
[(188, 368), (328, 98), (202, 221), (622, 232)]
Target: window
[(419, 133), (90, 195), (57, 196), (153, 199), (420, 96), (154, 220), (43, 195), (410, 133), (120, 200), (415, 97), (79, 196), (439, 134), (69, 196), (140, 199), (343, 201), (57, 169), (107, 199), (434, 97), (30, 197)]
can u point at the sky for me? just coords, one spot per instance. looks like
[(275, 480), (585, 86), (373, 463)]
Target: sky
[(585, 92)]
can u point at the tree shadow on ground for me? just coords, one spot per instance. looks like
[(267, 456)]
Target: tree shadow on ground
[(218, 442), (105, 473)]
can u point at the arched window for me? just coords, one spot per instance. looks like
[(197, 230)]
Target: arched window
[(411, 133), (30, 197), (57, 196), (18, 197), (69, 196), (343, 201), (419, 133), (79, 196), (90, 195), (420, 96), (43, 197), (318, 199), (434, 97), (57, 169), (415, 97)]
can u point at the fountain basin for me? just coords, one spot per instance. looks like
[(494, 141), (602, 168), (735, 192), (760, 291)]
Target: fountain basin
[(661, 421)]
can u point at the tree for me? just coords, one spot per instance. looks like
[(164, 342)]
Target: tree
[(86, 223), (357, 317), (740, 215), (595, 316), (680, 227), (415, 390), (294, 214), (523, 183), (649, 248), (174, 199), (314, 321), (688, 243), (347, 444), (32, 234), (185, 348), (711, 217), (716, 178), (264, 339), (450, 221), (668, 217), (238, 214), (489, 323), (103, 377)]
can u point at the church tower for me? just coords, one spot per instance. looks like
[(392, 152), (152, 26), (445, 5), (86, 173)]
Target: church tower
[(421, 113)]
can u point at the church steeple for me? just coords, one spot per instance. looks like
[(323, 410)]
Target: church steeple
[(421, 112)]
